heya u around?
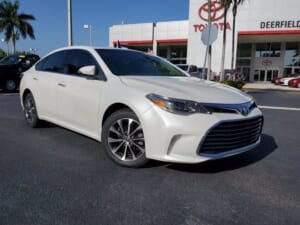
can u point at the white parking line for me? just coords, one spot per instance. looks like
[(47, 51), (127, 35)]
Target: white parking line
[(279, 108)]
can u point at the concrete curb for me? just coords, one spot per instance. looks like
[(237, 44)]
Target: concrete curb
[(268, 87)]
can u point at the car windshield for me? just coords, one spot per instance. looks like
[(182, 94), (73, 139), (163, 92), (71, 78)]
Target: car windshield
[(126, 62), (11, 59)]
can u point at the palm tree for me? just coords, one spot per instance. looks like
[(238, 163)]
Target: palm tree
[(14, 24), (226, 4), (235, 4)]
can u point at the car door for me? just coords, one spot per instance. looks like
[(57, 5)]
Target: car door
[(78, 95), (45, 83)]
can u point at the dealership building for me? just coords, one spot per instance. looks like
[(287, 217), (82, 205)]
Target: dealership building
[(267, 38)]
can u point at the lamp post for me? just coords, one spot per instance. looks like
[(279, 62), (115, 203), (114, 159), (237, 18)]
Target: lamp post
[(70, 32), (153, 43), (89, 26)]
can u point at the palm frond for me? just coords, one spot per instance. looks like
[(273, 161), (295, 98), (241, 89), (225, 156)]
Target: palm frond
[(15, 24)]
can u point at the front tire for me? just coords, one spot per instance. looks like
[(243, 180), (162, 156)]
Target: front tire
[(30, 111), (124, 140)]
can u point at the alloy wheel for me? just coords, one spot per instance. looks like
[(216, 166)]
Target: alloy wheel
[(29, 109), (126, 139)]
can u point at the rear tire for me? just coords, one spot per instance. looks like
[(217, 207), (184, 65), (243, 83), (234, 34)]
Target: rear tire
[(123, 139), (30, 111)]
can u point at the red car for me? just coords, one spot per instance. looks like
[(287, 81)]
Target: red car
[(276, 80), (279, 80), (295, 82)]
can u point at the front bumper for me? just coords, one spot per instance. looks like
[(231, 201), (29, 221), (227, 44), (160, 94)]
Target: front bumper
[(178, 138)]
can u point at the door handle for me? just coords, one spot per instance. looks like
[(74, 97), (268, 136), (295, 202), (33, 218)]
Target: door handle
[(61, 85), (35, 78)]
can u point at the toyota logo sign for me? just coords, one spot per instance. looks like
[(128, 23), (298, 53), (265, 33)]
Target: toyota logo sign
[(216, 14), (266, 62), (216, 11)]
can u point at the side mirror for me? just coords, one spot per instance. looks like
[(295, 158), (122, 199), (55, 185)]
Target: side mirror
[(87, 70)]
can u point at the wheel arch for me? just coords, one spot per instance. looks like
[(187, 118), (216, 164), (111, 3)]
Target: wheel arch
[(25, 92), (140, 158), (113, 108)]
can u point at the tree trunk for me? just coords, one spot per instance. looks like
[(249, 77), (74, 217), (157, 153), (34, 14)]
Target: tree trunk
[(14, 39), (234, 8), (224, 45), (14, 45)]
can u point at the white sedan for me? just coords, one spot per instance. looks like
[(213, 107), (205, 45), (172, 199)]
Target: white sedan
[(285, 81), (140, 106)]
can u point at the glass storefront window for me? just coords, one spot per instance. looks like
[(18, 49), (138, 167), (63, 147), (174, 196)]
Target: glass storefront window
[(162, 51), (178, 51), (287, 71), (244, 50), (291, 61), (244, 62), (291, 70), (292, 49), (264, 75), (178, 61), (140, 48), (292, 54), (178, 54), (174, 53), (267, 50)]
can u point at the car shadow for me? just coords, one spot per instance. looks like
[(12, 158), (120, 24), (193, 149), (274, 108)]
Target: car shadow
[(266, 147), (45, 124), (8, 92)]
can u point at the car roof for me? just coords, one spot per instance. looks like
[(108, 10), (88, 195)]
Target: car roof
[(89, 48)]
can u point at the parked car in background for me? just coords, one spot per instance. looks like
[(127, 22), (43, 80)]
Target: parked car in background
[(202, 72), (285, 80), (11, 68), (191, 69), (276, 80), (140, 106), (295, 82)]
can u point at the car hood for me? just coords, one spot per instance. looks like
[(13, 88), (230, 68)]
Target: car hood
[(190, 88)]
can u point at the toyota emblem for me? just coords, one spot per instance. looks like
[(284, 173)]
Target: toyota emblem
[(216, 11), (244, 111)]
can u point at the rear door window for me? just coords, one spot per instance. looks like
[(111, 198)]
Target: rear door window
[(52, 63)]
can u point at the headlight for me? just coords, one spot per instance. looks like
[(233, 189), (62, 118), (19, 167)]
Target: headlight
[(178, 106)]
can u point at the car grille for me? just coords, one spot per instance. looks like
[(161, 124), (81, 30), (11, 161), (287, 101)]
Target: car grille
[(231, 135), (244, 108)]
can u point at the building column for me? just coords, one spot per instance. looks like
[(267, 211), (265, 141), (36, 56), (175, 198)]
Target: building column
[(169, 52)]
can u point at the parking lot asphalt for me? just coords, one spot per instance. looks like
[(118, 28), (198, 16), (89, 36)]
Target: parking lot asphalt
[(51, 175)]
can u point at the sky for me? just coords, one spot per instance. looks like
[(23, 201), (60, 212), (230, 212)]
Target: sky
[(50, 24)]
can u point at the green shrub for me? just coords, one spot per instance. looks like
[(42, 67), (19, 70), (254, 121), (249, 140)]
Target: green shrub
[(234, 83)]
